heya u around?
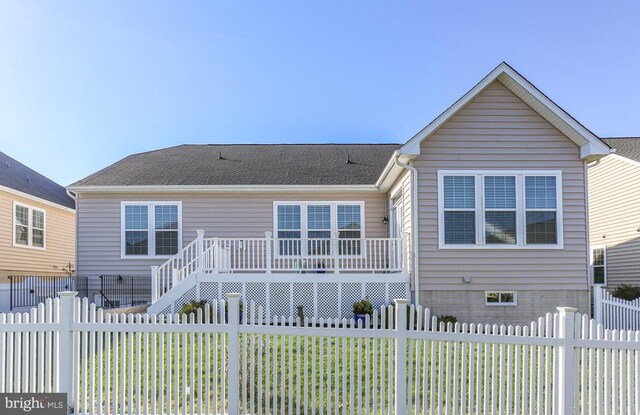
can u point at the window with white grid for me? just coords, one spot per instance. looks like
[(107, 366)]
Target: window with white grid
[(317, 222), (599, 265), (151, 228), (500, 209), (29, 226)]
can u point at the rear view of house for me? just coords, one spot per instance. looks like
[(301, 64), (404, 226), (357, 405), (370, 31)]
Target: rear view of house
[(37, 223), (481, 215)]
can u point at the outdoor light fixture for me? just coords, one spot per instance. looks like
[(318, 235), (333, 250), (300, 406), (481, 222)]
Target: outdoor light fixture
[(385, 220)]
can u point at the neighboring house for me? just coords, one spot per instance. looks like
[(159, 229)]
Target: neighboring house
[(37, 223), (482, 215), (614, 214)]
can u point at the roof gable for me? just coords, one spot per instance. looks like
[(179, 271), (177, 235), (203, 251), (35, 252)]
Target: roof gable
[(15, 175), (591, 147)]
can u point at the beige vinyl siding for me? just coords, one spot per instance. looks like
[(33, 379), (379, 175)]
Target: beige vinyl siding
[(402, 188), (497, 130), (59, 240), (614, 217), (220, 215)]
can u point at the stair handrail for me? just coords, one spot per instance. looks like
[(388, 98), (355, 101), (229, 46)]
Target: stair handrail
[(182, 262)]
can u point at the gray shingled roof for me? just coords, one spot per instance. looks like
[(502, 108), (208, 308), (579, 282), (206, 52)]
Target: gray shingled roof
[(248, 164), (17, 176), (628, 147)]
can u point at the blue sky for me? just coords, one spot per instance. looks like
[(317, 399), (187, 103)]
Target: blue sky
[(83, 84)]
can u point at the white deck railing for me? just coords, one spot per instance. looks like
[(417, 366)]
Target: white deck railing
[(268, 254)]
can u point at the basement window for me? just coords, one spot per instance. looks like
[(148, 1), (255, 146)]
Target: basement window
[(501, 298)]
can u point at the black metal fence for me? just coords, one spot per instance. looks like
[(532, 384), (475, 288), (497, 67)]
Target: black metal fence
[(124, 291), (29, 291)]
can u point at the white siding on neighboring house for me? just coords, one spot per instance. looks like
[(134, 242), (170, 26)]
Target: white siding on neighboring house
[(221, 215), (495, 131), (614, 217)]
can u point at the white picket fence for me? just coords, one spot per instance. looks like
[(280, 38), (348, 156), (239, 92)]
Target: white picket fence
[(615, 313), (399, 361)]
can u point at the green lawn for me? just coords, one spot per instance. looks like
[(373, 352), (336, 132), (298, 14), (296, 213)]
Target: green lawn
[(300, 378)]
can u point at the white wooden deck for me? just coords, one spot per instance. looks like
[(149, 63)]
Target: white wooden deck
[(325, 276)]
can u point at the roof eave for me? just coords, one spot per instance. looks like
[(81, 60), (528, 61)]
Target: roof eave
[(36, 199), (79, 189)]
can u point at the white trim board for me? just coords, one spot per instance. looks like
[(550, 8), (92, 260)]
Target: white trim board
[(591, 147)]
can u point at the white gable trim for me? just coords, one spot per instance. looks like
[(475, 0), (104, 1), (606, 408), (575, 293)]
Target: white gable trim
[(590, 146)]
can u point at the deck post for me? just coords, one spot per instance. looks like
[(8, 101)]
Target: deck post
[(400, 403), (566, 362), (154, 283), (268, 242), (65, 350), (234, 355), (335, 249), (199, 250)]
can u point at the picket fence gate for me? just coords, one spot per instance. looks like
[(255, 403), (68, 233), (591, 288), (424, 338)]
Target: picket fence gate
[(615, 313), (399, 361)]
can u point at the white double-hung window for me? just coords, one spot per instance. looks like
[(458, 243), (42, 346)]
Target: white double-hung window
[(28, 226), (315, 223), (500, 209), (152, 229)]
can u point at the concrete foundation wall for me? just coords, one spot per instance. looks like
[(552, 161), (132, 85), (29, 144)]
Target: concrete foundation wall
[(469, 306)]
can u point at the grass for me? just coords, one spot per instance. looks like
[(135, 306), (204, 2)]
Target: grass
[(292, 374)]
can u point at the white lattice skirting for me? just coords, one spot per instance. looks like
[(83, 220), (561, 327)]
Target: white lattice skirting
[(320, 295)]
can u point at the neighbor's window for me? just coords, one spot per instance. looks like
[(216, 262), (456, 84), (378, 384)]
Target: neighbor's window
[(29, 226), (505, 298), (317, 222), (151, 228), (599, 265), (499, 209)]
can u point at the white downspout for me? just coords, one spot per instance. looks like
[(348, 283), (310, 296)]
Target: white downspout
[(414, 224), (74, 196)]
